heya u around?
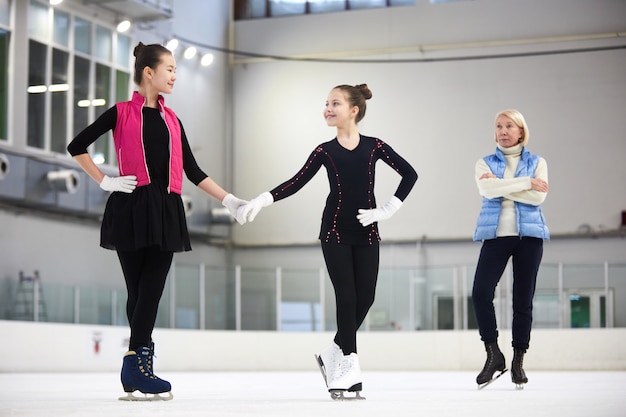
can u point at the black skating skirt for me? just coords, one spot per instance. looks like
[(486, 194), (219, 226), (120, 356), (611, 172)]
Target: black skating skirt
[(149, 216)]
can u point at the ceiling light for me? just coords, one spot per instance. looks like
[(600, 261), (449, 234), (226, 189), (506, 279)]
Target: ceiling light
[(55, 2), (190, 52), (123, 26), (172, 45), (206, 60)]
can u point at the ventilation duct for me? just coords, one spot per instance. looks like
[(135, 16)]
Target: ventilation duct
[(4, 166), (64, 180)]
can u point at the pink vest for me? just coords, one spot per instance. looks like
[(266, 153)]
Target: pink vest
[(128, 139)]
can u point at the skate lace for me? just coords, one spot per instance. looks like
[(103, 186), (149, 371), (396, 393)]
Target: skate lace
[(489, 364), (145, 364)]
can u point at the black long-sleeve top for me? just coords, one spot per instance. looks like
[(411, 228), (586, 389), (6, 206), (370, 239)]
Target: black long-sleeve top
[(150, 215), (156, 143), (351, 175)]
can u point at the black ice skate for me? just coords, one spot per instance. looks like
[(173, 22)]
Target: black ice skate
[(495, 362), (518, 376), (137, 375)]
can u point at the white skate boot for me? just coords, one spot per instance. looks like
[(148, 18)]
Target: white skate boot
[(347, 377), (328, 360)]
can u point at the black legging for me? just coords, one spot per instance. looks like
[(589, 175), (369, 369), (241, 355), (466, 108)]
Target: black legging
[(353, 270), (145, 271), (494, 255)]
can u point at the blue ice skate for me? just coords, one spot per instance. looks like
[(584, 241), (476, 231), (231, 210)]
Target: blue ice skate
[(137, 375)]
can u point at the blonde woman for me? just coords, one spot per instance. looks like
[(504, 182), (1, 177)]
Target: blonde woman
[(513, 183)]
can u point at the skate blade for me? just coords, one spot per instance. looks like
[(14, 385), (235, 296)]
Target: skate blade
[(148, 397), (322, 368), (338, 395), (481, 386), (519, 386)]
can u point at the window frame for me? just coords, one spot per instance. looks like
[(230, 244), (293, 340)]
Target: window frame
[(111, 62)]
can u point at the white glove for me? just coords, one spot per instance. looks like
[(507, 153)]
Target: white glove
[(369, 216), (250, 210), (124, 184), (233, 203)]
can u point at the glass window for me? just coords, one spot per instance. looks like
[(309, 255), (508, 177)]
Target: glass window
[(4, 12), (123, 52), (122, 86), (81, 94), (100, 104), (104, 43), (4, 82), (250, 9), (286, 7), (59, 88), (69, 85), (82, 35), (256, 8), (366, 4), (326, 6), (61, 28), (38, 25), (37, 64)]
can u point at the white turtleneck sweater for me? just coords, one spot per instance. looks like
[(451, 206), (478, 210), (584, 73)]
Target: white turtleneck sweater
[(510, 188)]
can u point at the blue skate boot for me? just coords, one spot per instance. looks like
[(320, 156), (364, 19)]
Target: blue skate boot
[(137, 375)]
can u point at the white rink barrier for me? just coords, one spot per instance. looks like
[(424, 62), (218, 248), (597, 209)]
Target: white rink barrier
[(53, 347)]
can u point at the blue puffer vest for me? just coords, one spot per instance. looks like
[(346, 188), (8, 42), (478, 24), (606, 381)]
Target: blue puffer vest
[(530, 220)]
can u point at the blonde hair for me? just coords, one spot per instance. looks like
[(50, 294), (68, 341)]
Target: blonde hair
[(519, 120)]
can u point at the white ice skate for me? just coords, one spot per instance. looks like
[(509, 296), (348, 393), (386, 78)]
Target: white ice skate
[(328, 360), (346, 379)]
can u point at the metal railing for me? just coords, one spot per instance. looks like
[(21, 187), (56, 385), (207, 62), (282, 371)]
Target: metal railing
[(279, 299)]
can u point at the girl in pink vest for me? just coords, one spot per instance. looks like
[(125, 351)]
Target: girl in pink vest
[(144, 219)]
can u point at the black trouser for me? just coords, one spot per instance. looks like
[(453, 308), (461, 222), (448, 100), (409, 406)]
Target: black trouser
[(145, 271), (494, 255), (353, 271)]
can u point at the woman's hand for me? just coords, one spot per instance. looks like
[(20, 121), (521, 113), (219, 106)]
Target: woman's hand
[(538, 184)]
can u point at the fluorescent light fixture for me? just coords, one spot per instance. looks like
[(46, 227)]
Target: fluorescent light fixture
[(55, 2), (58, 87), (34, 89), (98, 102), (83, 103)]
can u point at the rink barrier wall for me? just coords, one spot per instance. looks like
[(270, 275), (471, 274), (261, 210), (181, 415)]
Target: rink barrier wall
[(51, 347)]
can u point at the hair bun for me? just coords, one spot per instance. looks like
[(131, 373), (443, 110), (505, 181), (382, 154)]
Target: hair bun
[(138, 49), (365, 90)]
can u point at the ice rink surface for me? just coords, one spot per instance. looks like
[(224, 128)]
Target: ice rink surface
[(302, 394)]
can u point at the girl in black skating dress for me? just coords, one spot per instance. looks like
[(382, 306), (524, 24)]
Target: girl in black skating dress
[(144, 219), (349, 230)]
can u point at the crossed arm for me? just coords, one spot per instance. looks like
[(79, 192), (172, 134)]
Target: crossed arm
[(528, 190)]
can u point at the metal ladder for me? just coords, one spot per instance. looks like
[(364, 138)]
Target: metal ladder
[(29, 303)]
